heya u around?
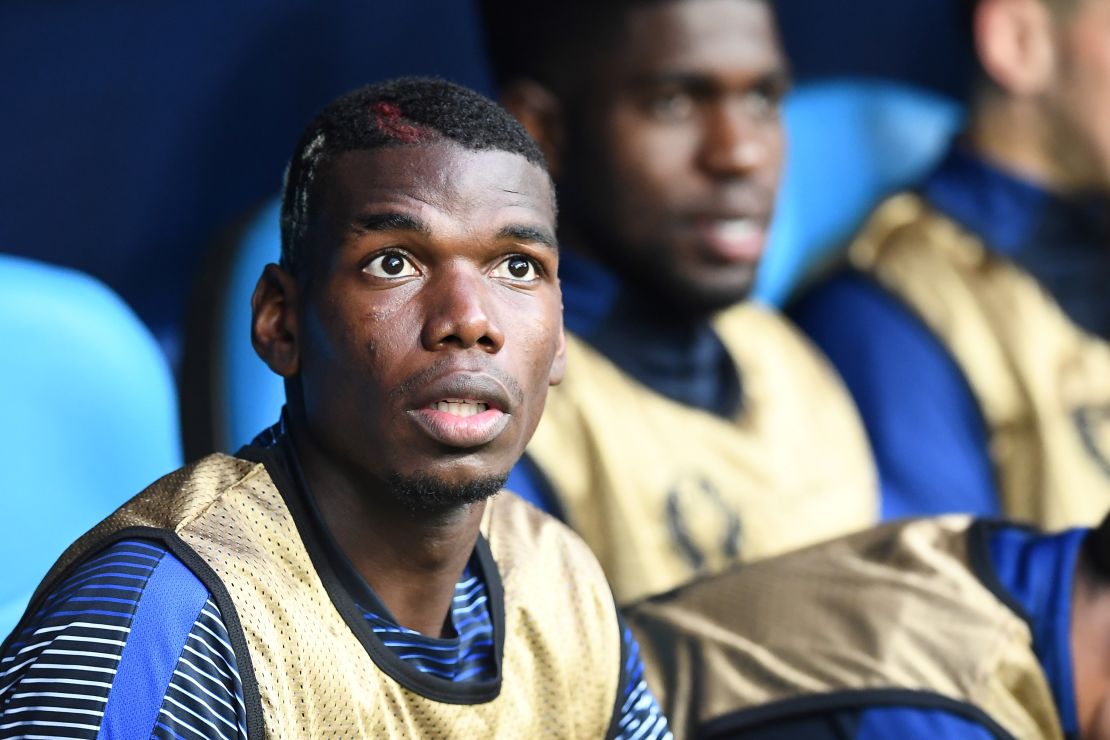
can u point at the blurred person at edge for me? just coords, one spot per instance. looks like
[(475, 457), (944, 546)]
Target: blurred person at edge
[(694, 429), (971, 320), (939, 627)]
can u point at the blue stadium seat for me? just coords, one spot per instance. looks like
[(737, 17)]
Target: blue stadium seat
[(255, 394), (88, 417), (228, 393), (850, 143)]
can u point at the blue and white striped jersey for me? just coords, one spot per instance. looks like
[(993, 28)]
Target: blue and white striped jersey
[(132, 645)]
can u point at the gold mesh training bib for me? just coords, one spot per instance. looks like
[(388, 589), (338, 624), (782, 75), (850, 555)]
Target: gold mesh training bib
[(663, 492), (894, 610), (1042, 384), (560, 653)]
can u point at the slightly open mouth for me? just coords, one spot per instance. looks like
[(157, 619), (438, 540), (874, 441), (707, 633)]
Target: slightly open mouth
[(460, 407)]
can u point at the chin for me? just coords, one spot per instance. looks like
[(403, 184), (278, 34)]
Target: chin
[(432, 494), (706, 299)]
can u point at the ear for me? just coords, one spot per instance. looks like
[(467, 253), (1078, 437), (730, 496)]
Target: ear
[(559, 364), (1016, 46), (541, 114), (274, 328)]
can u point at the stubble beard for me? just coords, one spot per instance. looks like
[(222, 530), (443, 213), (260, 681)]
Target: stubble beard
[(426, 495)]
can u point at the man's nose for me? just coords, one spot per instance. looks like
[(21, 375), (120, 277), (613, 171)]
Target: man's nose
[(735, 142), (459, 312)]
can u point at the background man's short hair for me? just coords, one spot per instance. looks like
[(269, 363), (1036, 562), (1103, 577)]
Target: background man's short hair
[(402, 112), (550, 41)]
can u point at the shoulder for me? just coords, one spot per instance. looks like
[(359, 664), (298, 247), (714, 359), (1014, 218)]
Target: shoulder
[(869, 333), (169, 504), (772, 351), (546, 568), (103, 646), (519, 531), (831, 625), (850, 305)]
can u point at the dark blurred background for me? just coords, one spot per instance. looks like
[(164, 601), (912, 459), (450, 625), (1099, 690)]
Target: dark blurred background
[(134, 133)]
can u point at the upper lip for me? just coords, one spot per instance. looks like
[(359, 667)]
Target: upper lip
[(472, 386), (720, 216)]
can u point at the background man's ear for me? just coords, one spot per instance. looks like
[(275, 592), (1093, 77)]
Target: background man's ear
[(541, 113), (1016, 44), (274, 328)]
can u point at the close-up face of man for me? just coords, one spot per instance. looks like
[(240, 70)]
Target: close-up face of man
[(674, 148), (429, 327)]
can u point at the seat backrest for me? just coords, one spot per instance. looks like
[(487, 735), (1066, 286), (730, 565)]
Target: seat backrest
[(88, 417), (850, 143), (228, 393)]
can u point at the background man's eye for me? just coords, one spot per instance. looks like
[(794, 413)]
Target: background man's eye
[(516, 268), (391, 265), (671, 106)]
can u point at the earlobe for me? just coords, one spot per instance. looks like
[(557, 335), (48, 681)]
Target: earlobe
[(1015, 42), (538, 109), (274, 328)]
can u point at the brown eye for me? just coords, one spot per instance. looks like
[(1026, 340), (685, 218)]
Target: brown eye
[(517, 268), (391, 265)]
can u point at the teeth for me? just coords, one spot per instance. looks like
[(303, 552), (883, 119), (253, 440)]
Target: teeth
[(738, 228), (460, 407)]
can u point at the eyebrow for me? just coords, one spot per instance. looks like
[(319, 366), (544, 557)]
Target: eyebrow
[(523, 233), (700, 82), (391, 222), (374, 222)]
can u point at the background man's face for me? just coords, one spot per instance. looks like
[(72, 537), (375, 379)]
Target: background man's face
[(432, 318), (1079, 102), (673, 155)]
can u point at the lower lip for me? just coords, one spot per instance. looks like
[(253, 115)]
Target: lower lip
[(726, 247), (459, 431)]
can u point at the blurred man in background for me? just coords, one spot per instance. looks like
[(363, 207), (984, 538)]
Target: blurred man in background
[(972, 326), (933, 628), (693, 429)]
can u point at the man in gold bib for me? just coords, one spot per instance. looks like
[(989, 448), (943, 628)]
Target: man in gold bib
[(694, 429), (347, 574), (933, 628), (972, 324)]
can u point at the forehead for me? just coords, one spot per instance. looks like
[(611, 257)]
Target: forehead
[(705, 36), (439, 178)]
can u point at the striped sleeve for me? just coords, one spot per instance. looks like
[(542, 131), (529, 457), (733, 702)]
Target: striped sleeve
[(129, 645), (640, 715)]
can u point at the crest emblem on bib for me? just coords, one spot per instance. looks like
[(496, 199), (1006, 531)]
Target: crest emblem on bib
[(704, 528)]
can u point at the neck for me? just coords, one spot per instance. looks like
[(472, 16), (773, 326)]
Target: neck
[(1090, 645), (412, 560), (1023, 136), (1010, 133)]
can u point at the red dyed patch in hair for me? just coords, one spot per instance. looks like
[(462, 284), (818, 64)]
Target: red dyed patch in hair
[(387, 116)]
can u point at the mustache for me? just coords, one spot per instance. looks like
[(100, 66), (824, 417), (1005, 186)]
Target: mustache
[(436, 370)]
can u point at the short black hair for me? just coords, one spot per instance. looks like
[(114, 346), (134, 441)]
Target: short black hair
[(539, 39), (552, 41), (403, 112)]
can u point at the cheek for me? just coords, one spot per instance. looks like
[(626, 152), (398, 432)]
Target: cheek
[(651, 160), (1089, 83), (775, 137)]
